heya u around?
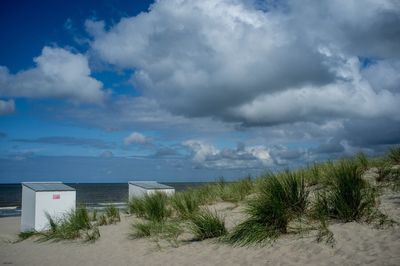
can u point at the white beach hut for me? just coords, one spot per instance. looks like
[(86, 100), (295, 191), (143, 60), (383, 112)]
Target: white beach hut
[(39, 198), (138, 189)]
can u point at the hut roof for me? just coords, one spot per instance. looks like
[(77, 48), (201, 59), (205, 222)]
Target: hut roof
[(48, 186), (149, 185)]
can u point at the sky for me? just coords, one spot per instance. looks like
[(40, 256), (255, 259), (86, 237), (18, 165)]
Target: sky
[(185, 90)]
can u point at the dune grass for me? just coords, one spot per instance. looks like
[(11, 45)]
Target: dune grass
[(75, 224), (152, 207), (317, 173), (110, 215), (362, 161), (186, 204), (384, 172), (280, 198), (394, 154), (279, 201), (206, 194), (236, 191), (207, 224), (169, 230), (26, 234), (349, 197), (313, 174)]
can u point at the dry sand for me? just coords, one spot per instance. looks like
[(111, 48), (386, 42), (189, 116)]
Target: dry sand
[(356, 244)]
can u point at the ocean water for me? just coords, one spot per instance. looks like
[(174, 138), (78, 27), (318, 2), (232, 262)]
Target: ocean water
[(93, 195)]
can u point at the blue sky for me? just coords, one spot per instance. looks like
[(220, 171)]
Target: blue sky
[(183, 90)]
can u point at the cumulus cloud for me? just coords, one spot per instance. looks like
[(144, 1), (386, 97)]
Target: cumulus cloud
[(283, 156), (205, 56), (352, 98), (284, 63), (204, 154), (369, 28), (7, 107), (59, 73), (137, 138)]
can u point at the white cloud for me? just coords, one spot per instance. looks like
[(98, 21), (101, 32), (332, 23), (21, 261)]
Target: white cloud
[(201, 150), (231, 61), (7, 107), (136, 137), (197, 58), (351, 97), (207, 155), (58, 74), (281, 75)]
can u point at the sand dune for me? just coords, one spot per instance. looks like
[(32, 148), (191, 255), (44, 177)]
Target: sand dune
[(356, 244)]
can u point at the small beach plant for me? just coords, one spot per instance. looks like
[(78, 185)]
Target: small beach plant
[(236, 191), (207, 224), (94, 215), (26, 234), (152, 207), (394, 155), (384, 171), (74, 224), (280, 198), (92, 234), (295, 192), (205, 194), (362, 161), (135, 206), (312, 174), (102, 220), (169, 230), (112, 214), (349, 197), (185, 204)]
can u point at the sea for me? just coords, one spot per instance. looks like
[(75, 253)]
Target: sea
[(92, 195)]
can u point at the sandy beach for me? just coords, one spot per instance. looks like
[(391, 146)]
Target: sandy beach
[(356, 244)]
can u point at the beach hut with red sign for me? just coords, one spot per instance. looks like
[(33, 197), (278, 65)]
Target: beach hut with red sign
[(39, 198)]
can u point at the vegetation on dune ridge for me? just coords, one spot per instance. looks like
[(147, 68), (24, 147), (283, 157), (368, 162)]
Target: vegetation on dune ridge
[(394, 154), (110, 215), (362, 161), (280, 198), (315, 196), (207, 224), (185, 204), (278, 201), (76, 224), (168, 230), (236, 191), (154, 207), (349, 197)]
